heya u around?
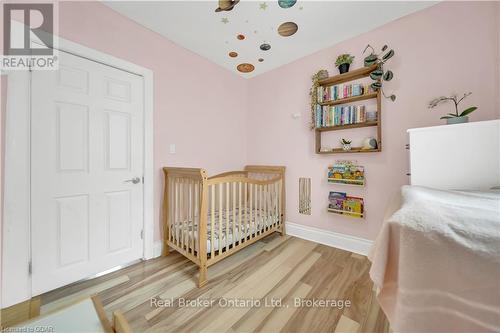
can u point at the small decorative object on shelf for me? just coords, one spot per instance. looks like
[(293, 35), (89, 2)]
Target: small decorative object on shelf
[(346, 144), (346, 173), (341, 203), (379, 75), (343, 62), (454, 118), (370, 143)]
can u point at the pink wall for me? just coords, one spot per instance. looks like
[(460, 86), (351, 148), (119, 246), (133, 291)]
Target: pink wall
[(450, 47), (198, 105)]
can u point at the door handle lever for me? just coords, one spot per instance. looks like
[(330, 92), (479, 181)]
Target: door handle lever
[(135, 180)]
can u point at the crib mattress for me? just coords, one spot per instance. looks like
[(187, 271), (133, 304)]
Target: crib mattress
[(252, 220)]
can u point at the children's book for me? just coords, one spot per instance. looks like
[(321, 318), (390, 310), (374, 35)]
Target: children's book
[(353, 206), (336, 200), (346, 172)]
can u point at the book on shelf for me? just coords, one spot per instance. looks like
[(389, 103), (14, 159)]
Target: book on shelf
[(346, 172), (327, 116), (341, 203), (341, 91)]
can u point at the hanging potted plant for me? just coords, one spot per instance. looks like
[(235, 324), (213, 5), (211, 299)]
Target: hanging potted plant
[(380, 75), (454, 118), (343, 62)]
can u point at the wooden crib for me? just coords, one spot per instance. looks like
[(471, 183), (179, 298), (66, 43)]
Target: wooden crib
[(207, 219)]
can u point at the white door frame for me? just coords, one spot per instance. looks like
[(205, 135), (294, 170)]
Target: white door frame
[(16, 242)]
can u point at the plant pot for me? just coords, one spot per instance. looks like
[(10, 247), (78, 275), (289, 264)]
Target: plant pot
[(457, 120), (346, 146), (344, 68)]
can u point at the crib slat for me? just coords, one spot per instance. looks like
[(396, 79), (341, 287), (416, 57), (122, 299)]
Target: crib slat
[(191, 217), (266, 200), (171, 211), (212, 223), (227, 216), (244, 210), (250, 222), (261, 219), (280, 205), (220, 217), (276, 211), (183, 209), (193, 213), (177, 206), (234, 214)]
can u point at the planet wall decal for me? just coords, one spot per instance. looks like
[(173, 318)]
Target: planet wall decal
[(245, 68), (261, 60), (265, 47), (233, 54), (287, 29), (240, 37), (225, 5), (286, 3)]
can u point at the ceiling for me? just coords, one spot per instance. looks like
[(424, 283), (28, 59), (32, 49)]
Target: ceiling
[(196, 26)]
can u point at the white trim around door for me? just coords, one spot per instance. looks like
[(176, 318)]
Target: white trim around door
[(16, 252)]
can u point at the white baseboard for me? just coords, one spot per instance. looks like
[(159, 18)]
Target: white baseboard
[(333, 239), (157, 249)]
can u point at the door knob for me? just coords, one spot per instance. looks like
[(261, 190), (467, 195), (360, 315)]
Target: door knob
[(135, 180)]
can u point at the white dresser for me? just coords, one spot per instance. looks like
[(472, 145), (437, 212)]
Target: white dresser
[(461, 156)]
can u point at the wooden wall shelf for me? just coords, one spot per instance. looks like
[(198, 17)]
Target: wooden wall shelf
[(344, 127), (350, 99), (349, 76), (352, 151), (342, 78)]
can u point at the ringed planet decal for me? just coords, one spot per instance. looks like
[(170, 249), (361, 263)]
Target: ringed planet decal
[(233, 54), (225, 5), (245, 68), (287, 29), (265, 47), (240, 37), (286, 3)]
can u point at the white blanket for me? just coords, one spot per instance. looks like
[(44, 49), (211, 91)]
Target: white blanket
[(436, 261)]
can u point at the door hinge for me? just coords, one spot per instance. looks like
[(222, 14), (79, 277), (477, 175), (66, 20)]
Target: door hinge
[(142, 234), (30, 268)]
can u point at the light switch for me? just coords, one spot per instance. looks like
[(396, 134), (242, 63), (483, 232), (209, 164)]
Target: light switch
[(172, 148)]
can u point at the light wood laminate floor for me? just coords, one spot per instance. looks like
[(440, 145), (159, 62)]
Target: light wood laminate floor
[(274, 268)]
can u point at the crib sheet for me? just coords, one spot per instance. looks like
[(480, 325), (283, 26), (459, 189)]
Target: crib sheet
[(252, 220)]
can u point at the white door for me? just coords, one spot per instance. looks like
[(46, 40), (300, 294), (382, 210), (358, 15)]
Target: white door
[(86, 171)]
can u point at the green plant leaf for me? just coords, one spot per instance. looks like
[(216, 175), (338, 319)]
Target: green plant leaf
[(445, 117), (467, 111), (376, 85), (384, 48), (376, 74), (370, 60), (388, 75), (452, 114), (388, 55), (392, 97)]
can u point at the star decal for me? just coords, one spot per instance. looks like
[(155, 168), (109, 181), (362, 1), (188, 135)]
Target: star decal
[(224, 20), (263, 6)]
